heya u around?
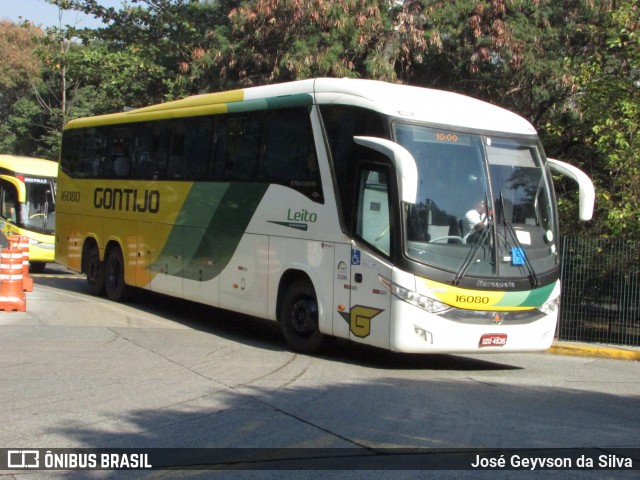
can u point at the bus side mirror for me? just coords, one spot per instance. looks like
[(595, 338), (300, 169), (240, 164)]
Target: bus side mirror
[(403, 161), (587, 193)]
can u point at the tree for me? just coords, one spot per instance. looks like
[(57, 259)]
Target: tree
[(133, 61), (19, 67), (512, 53), (609, 103), (570, 67), (19, 75), (157, 39), (268, 41), (531, 57)]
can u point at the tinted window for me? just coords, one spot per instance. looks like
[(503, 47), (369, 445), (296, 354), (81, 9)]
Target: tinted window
[(341, 124), (190, 149), (273, 146), (241, 150), (116, 163), (151, 150), (82, 152), (9, 199), (288, 153)]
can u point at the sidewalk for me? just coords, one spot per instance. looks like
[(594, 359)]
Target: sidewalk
[(595, 350)]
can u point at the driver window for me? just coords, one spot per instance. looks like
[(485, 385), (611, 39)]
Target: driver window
[(9, 199), (373, 224)]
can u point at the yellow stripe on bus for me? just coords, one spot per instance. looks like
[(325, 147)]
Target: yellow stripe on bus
[(208, 104)]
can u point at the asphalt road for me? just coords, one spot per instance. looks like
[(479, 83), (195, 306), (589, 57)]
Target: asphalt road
[(80, 371)]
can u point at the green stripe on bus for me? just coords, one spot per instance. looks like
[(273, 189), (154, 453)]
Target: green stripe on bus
[(539, 296), (213, 219), (533, 298), (287, 101)]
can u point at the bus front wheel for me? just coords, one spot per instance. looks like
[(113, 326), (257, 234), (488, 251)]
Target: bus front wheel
[(299, 318), (117, 289), (37, 267)]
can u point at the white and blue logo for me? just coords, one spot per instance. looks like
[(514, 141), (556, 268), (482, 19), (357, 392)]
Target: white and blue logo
[(355, 257)]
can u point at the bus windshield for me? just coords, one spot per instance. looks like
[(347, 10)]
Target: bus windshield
[(37, 213), (484, 206)]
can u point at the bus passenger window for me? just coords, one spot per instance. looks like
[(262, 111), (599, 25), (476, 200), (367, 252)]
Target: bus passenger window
[(219, 148), (150, 150), (197, 148), (175, 162), (285, 147), (122, 166), (288, 153), (242, 146), (117, 162), (83, 151)]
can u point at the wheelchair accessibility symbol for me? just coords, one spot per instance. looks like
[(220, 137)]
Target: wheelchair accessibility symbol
[(355, 257)]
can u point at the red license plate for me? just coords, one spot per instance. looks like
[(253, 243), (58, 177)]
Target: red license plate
[(493, 340)]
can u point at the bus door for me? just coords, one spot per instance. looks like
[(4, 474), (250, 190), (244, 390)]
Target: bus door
[(370, 302)]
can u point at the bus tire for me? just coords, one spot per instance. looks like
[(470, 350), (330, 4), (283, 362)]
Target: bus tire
[(299, 318), (37, 267), (117, 289), (94, 269)]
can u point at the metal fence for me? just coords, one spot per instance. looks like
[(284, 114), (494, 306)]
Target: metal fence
[(601, 291)]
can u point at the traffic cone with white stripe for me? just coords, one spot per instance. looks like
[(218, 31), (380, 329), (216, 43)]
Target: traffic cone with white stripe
[(27, 281), (12, 296)]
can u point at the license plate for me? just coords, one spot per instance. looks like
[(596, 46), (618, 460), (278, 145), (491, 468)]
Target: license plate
[(493, 340)]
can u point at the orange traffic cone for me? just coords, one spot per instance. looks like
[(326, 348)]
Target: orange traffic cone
[(14, 242), (27, 281), (12, 296)]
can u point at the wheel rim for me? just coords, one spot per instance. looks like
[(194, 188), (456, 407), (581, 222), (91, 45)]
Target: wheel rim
[(93, 269), (303, 315), (114, 274)]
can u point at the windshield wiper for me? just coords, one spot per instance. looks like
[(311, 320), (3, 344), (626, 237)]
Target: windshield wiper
[(45, 216), (508, 227), (468, 260)]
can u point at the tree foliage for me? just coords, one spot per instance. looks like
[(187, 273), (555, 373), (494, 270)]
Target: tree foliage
[(18, 64), (570, 67), (19, 73), (610, 104)]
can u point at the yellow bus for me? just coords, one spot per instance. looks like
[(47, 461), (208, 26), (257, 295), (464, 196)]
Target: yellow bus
[(27, 205), (334, 206)]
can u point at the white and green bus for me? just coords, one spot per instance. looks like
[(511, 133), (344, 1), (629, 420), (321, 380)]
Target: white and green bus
[(337, 207)]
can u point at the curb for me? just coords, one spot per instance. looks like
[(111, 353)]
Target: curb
[(594, 351)]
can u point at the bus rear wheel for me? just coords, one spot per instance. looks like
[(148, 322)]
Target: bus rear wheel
[(117, 289), (299, 318), (94, 269)]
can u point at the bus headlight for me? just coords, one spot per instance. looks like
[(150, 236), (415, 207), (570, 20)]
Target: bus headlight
[(414, 298), (550, 306)]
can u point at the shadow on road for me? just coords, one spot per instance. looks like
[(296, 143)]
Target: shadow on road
[(438, 413), (264, 334)]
